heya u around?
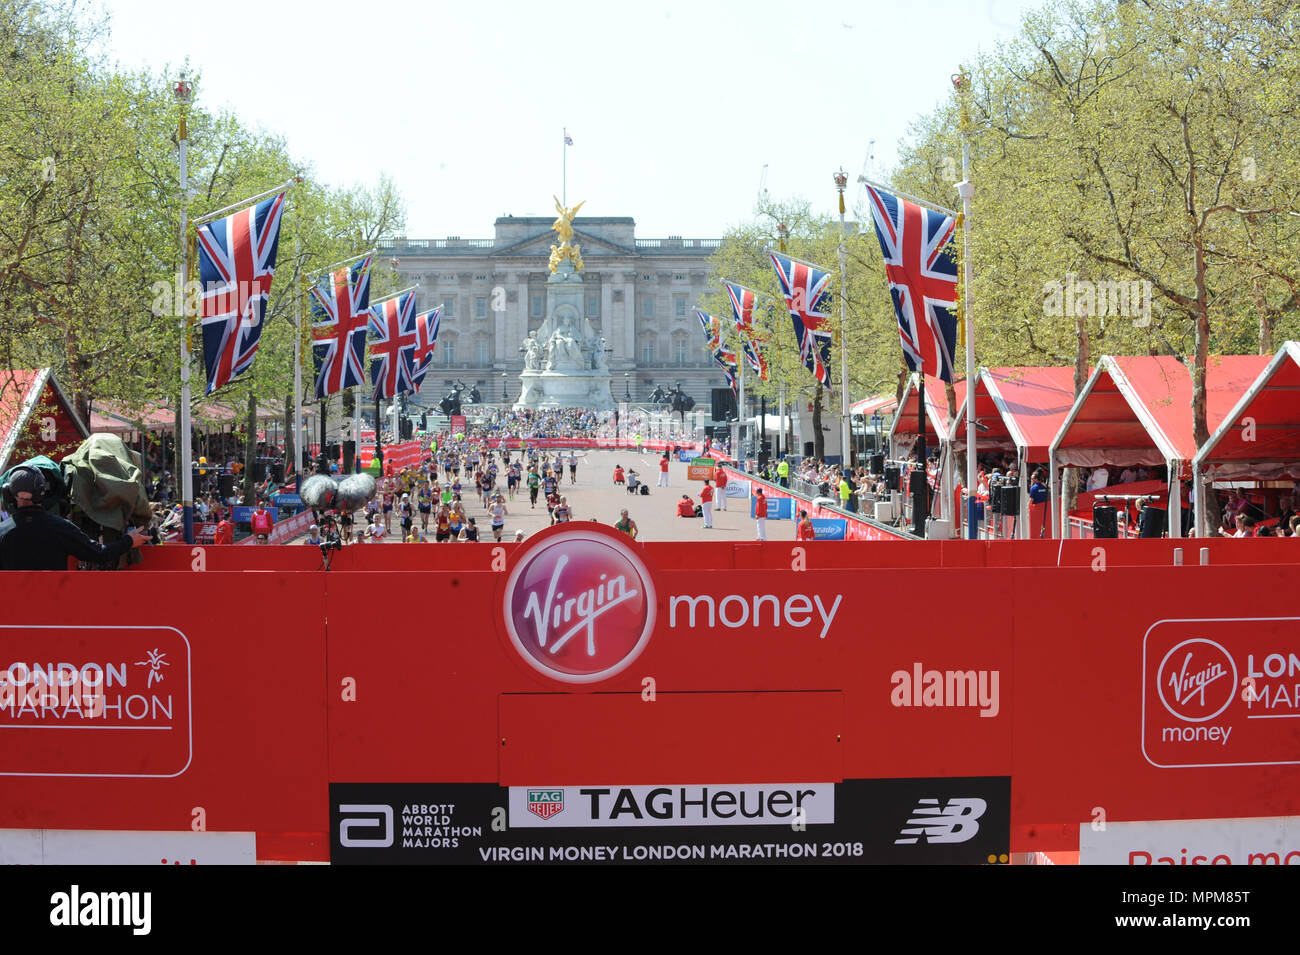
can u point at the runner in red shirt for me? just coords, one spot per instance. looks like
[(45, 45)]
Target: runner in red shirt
[(760, 512), (721, 482), (663, 471)]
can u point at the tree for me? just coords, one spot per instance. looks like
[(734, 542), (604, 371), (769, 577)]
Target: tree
[(871, 331), (1144, 148)]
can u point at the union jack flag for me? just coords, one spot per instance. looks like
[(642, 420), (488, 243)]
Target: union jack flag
[(392, 345), (922, 279), (726, 360), (236, 262), (340, 317), (426, 338), (712, 330), (743, 301), (806, 296)]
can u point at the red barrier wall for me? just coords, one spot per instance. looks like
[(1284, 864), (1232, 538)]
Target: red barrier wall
[(414, 678)]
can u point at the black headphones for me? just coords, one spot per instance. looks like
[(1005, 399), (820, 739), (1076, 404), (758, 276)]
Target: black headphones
[(24, 478)]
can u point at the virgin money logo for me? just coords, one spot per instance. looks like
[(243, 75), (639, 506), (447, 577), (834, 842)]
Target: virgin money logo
[(1197, 680), (579, 605)]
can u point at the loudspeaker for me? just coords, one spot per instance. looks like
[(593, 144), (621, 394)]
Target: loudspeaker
[(226, 486), (408, 429), (807, 449), (259, 470), (277, 472), (995, 499), (877, 464), (1151, 522), (920, 491), (1010, 498), (349, 456), (1104, 523), (892, 475), (723, 401)]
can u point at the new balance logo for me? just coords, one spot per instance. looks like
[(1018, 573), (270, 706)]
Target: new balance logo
[(933, 823)]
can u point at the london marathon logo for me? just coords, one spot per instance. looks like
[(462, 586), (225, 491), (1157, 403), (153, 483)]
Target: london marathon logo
[(579, 605)]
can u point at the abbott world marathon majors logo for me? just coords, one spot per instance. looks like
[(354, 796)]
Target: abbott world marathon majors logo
[(579, 605), (1221, 692)]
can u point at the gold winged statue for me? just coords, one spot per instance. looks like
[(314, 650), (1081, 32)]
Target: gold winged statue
[(563, 226)]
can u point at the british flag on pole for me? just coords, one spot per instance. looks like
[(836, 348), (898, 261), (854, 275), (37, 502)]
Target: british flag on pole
[(726, 359), (426, 338), (340, 313), (922, 279), (712, 330), (392, 345), (743, 301), (809, 301), (236, 262)]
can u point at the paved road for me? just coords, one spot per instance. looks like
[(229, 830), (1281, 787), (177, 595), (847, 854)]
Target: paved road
[(595, 496)]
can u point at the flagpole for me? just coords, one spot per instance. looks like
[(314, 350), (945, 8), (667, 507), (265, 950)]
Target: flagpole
[(183, 92), (243, 202), (966, 190), (782, 232), (393, 295), (342, 262), (908, 196), (564, 167), (299, 287), (846, 454), (921, 497), (742, 422)]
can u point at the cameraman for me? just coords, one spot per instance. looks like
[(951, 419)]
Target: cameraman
[(34, 539)]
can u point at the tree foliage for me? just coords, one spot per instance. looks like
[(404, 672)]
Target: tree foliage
[(1144, 148), (89, 218)]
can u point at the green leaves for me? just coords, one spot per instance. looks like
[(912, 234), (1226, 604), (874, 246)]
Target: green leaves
[(90, 217)]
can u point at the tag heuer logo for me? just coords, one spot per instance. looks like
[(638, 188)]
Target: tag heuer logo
[(545, 802)]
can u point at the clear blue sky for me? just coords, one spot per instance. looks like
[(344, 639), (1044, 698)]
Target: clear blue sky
[(674, 108)]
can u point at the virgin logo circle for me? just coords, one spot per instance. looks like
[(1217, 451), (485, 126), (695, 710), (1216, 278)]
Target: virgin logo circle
[(1197, 680), (579, 605)]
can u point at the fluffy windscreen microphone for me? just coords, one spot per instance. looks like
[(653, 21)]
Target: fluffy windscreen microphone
[(356, 490), (319, 492)]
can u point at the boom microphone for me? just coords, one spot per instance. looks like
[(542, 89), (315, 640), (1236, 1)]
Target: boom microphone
[(356, 490), (319, 492)]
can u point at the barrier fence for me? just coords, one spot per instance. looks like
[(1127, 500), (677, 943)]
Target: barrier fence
[(277, 698)]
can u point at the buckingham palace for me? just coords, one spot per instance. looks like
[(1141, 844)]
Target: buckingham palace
[(640, 296)]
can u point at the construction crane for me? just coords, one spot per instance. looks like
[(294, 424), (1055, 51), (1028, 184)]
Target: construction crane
[(762, 184)]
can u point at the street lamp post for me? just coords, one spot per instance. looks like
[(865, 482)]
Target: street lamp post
[(183, 93), (782, 234), (841, 180)]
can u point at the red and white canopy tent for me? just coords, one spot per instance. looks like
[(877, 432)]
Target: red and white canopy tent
[(1138, 410), (877, 403), (1021, 410), (36, 417), (1260, 437), (904, 430)]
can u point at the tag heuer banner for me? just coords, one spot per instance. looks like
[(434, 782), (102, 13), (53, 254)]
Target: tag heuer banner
[(962, 821)]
